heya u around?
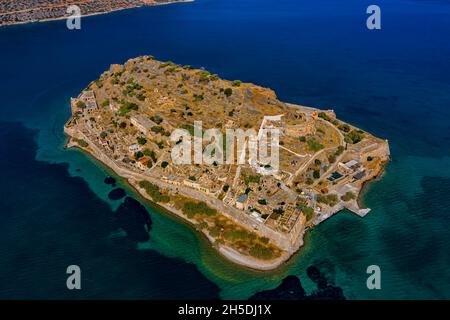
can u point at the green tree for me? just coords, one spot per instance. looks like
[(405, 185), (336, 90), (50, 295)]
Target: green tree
[(316, 174), (141, 140), (332, 158), (228, 92), (138, 155)]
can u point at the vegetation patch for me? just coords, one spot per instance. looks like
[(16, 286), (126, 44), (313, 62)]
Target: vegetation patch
[(191, 209), (328, 199), (314, 145), (153, 191)]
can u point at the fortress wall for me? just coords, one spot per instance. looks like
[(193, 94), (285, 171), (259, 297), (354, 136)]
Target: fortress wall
[(378, 150)]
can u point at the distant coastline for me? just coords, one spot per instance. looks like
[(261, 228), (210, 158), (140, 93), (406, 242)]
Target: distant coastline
[(94, 13)]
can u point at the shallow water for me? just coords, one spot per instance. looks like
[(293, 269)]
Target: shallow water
[(394, 83)]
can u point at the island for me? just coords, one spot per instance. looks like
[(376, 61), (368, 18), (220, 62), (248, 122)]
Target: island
[(26, 11), (253, 213)]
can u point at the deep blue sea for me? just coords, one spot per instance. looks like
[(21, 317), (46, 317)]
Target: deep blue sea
[(393, 82)]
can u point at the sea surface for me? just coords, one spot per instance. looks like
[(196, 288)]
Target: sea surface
[(393, 82)]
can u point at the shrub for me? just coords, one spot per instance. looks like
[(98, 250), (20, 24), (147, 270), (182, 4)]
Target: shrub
[(127, 107), (157, 119), (236, 83), (234, 235), (348, 196), (214, 231), (202, 225), (324, 116), (82, 143), (314, 145), (309, 212), (153, 191), (252, 179), (150, 153), (316, 174), (228, 92), (138, 155), (354, 136), (344, 127), (201, 208), (166, 64), (157, 129), (339, 150), (261, 252), (329, 199), (164, 164), (141, 140), (198, 97), (81, 105), (332, 158)]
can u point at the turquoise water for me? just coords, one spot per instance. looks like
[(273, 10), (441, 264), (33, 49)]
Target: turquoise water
[(394, 83)]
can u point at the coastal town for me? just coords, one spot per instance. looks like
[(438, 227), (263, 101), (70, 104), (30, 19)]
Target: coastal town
[(26, 11), (253, 213)]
